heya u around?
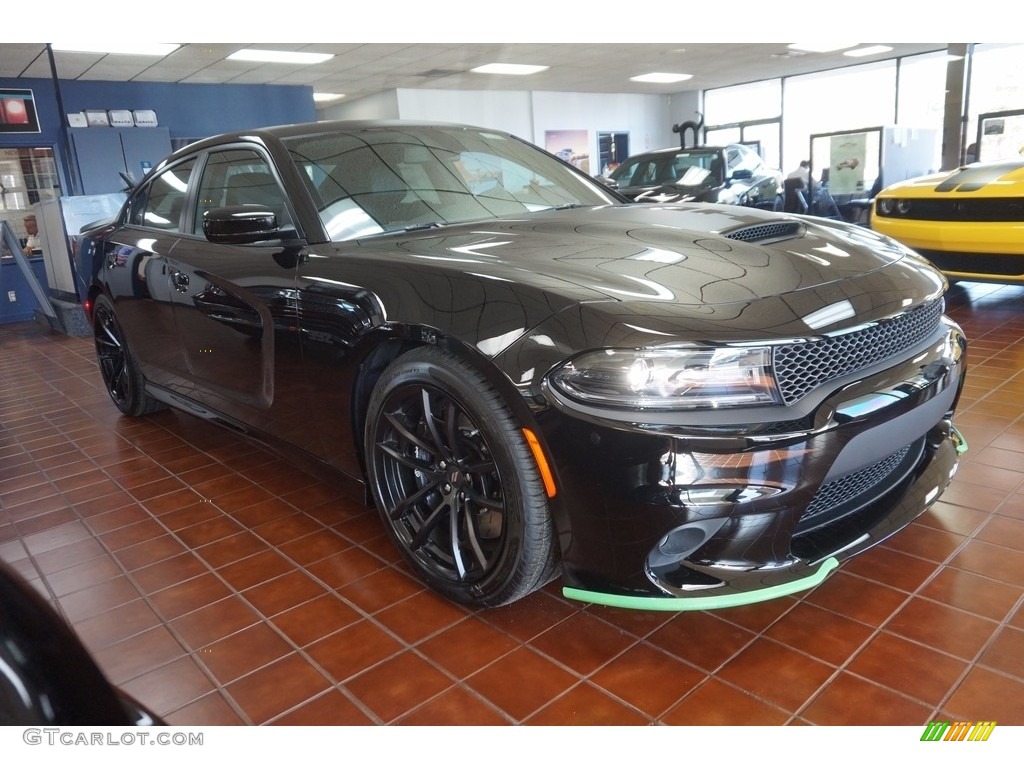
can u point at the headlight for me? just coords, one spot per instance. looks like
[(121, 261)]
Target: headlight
[(893, 206), (670, 379)]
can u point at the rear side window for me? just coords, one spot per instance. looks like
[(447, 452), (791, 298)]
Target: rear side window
[(161, 202)]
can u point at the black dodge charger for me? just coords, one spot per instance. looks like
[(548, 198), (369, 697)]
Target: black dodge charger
[(668, 406)]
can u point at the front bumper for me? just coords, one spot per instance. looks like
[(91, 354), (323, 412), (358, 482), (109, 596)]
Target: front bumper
[(963, 250), (666, 518)]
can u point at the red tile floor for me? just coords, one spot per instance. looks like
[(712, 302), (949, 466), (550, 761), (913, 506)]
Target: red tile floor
[(220, 585)]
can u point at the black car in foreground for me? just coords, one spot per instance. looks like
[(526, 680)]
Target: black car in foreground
[(47, 677), (733, 174), (672, 407)]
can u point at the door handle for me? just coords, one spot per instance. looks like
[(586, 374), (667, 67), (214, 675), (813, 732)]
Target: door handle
[(180, 281)]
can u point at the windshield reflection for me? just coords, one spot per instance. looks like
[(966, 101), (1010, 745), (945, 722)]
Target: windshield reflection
[(392, 180)]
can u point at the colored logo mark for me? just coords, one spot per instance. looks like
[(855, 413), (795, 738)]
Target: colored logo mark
[(956, 731)]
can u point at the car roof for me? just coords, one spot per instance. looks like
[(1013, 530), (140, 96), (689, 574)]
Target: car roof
[(677, 150), (291, 130)]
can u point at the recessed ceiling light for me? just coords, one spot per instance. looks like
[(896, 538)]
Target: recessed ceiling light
[(134, 49), (821, 47), (661, 77), (509, 69), (868, 50), (323, 96), (280, 57)]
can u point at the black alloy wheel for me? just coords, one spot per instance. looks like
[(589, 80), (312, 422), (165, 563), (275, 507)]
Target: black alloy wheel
[(121, 377), (456, 483)]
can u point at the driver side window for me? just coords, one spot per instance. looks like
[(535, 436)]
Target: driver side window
[(239, 177)]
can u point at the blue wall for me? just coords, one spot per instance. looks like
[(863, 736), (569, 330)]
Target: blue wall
[(189, 111), (194, 111)]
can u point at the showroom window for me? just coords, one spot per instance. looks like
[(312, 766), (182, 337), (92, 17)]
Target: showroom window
[(747, 114), (27, 176), (996, 95), (921, 95), (743, 103), (838, 100), (921, 100), (997, 82)]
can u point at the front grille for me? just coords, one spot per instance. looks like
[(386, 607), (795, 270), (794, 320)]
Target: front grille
[(799, 368), (835, 494), (1010, 265), (959, 209), (780, 230)]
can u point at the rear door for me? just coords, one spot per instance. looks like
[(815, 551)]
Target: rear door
[(134, 263)]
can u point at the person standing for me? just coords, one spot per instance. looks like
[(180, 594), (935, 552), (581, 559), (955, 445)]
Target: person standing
[(803, 172)]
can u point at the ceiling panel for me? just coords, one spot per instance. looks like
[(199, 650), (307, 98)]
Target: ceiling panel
[(361, 69)]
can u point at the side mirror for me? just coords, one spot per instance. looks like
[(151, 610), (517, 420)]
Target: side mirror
[(242, 224), (742, 174)]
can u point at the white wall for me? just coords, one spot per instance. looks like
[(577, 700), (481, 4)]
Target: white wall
[(508, 111), (644, 118), (648, 119), (380, 106)]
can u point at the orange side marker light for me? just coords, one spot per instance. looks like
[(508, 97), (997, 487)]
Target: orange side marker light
[(542, 463)]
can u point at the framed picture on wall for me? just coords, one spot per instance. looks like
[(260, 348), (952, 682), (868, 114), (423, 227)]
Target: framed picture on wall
[(573, 146), (18, 111)]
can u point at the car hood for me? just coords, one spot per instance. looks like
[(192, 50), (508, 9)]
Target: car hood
[(697, 255), (1005, 179)]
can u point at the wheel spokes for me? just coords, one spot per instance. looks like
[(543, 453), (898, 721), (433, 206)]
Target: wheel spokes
[(428, 417), (423, 534), (113, 358), (474, 541), (411, 500), (408, 435), (440, 484), (453, 525)]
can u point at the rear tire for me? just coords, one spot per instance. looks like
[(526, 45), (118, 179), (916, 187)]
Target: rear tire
[(121, 376), (456, 483)]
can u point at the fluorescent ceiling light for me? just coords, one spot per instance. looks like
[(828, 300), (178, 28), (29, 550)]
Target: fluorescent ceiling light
[(280, 57), (821, 47), (509, 69), (661, 77), (135, 49), (868, 50), (323, 96)]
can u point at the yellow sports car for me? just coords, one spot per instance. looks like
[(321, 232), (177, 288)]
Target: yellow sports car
[(968, 222)]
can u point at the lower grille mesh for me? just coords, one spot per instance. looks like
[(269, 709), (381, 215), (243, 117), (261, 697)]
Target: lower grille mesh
[(838, 492)]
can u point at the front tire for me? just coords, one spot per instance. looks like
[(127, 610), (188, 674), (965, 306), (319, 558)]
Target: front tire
[(121, 376), (456, 483)]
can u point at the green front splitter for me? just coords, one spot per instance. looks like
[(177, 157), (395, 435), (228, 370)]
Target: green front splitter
[(705, 603)]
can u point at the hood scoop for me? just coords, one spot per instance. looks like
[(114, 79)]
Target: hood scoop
[(767, 233)]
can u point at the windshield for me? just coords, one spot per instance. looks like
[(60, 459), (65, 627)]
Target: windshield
[(391, 179), (688, 167)]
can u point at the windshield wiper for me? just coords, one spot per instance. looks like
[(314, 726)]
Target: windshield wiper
[(418, 227)]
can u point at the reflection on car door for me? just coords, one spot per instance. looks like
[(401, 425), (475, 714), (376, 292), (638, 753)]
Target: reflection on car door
[(232, 303), (135, 265)]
